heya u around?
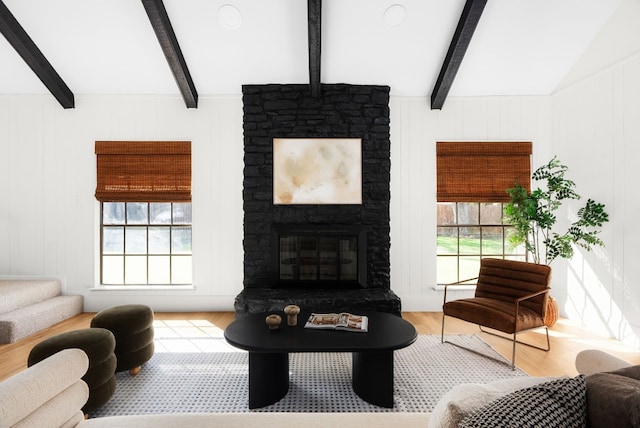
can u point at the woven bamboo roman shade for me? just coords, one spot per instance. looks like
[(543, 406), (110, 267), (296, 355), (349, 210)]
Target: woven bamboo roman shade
[(481, 171), (143, 171)]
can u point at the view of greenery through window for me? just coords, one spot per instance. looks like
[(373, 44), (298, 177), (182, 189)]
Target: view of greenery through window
[(467, 232), (146, 243)]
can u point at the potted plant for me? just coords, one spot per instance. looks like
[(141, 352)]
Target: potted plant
[(533, 217)]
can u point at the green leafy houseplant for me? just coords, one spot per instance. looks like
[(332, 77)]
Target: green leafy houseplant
[(534, 216)]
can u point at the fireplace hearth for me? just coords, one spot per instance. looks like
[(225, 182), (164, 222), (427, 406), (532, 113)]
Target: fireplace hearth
[(273, 300)]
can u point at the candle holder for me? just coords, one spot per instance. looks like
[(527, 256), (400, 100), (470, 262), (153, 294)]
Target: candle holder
[(292, 312), (273, 321)]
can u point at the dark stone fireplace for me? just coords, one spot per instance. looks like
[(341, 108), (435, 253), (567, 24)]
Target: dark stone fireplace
[(323, 257)]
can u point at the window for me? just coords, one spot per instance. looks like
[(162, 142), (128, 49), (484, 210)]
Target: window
[(145, 222), (467, 232), (472, 178), (146, 243)]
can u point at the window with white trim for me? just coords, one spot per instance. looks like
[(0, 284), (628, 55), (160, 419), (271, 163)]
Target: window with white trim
[(144, 189), (146, 243), (472, 179), (467, 232)]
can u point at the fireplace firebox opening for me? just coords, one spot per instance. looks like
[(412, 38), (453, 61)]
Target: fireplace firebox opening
[(319, 256)]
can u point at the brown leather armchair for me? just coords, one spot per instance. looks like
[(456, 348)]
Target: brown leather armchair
[(511, 297)]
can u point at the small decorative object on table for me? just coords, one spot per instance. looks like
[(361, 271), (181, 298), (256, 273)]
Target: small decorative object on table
[(273, 321), (292, 312)]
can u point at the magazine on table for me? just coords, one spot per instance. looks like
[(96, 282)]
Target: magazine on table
[(342, 321)]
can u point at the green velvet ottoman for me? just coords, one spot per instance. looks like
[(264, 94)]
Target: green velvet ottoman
[(132, 326), (99, 345)]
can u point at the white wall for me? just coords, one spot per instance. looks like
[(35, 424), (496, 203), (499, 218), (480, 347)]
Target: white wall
[(596, 126), (596, 131), (49, 218)]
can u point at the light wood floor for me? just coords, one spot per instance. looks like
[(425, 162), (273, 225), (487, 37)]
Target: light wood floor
[(566, 341)]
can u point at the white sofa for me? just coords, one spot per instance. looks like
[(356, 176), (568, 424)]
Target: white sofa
[(47, 394), (50, 394)]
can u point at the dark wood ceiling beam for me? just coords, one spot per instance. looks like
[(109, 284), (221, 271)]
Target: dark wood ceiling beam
[(171, 49), (35, 59), (461, 39), (314, 16)]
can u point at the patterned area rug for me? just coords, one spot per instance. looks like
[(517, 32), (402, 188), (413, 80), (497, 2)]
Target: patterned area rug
[(215, 379)]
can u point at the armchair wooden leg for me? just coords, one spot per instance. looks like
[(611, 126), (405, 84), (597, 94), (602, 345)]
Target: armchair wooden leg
[(442, 331)]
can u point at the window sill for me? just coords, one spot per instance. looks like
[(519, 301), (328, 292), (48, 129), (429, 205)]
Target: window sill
[(143, 288)]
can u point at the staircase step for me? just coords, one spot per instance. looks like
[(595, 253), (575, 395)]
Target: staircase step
[(27, 320), (20, 293)]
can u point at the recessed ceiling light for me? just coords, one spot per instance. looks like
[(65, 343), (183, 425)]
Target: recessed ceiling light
[(229, 17), (395, 15)]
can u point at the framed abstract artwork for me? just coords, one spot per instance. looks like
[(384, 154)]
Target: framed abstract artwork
[(317, 171)]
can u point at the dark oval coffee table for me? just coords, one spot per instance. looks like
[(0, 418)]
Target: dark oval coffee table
[(372, 353)]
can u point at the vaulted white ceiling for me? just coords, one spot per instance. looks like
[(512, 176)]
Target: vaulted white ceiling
[(520, 47)]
